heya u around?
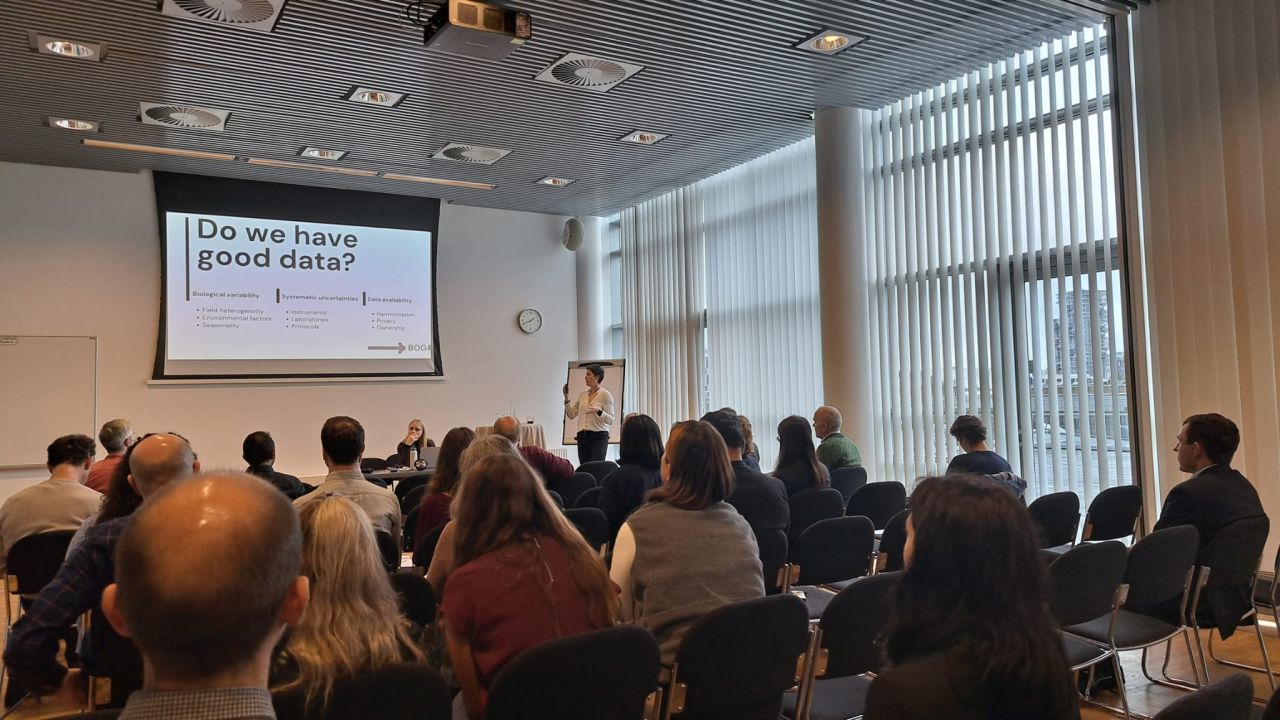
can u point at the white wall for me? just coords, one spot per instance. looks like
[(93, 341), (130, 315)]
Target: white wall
[(80, 255)]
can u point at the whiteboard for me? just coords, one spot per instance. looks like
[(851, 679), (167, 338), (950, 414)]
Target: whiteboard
[(48, 388), (615, 375)]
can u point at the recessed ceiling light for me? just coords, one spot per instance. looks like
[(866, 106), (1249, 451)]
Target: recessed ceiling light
[(321, 153), (372, 96), (65, 47), (72, 124), (176, 152), (290, 165), (640, 137), (830, 42), (555, 181), (439, 181)]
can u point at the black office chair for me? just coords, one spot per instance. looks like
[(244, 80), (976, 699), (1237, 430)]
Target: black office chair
[(411, 499), (31, 564), (773, 559), (402, 691), (555, 498), (114, 668), (598, 469), (738, 660), (1231, 698), (812, 506), (878, 501), (372, 464), (409, 530), (571, 488), (416, 596), (1085, 584), (893, 542), (593, 525), (389, 549), (603, 675), (846, 480), (1056, 517), (393, 460), (590, 498), (408, 485), (1113, 514), (1228, 569), (834, 550), (426, 548)]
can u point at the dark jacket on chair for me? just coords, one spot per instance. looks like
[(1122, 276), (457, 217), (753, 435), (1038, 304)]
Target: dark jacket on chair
[(759, 498)]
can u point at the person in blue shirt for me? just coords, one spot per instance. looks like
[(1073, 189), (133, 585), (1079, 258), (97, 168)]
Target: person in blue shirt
[(978, 459)]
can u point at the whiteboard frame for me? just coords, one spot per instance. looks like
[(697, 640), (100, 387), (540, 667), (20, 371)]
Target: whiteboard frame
[(96, 363)]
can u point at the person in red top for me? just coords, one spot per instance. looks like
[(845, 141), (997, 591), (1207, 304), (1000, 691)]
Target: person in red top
[(549, 466), (433, 511), (523, 576), (116, 436)]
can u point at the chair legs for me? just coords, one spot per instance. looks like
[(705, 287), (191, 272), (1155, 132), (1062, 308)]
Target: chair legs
[(1169, 681), (1266, 657)]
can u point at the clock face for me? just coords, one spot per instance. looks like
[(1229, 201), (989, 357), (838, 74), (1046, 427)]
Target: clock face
[(530, 320)]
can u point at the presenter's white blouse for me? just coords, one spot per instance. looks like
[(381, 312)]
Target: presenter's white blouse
[(585, 411)]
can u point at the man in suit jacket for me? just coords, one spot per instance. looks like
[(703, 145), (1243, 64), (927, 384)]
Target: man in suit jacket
[(759, 498), (1213, 497)]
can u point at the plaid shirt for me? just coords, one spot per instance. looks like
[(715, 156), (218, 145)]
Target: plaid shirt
[(220, 704), (32, 650)]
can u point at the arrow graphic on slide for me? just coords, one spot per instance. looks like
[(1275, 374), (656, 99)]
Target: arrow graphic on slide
[(398, 347)]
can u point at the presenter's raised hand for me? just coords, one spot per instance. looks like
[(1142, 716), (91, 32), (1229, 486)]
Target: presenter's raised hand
[(566, 391)]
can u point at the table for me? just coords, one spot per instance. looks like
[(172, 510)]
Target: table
[(530, 434), (387, 477)]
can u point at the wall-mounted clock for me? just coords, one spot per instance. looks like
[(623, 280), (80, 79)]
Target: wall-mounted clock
[(529, 320)]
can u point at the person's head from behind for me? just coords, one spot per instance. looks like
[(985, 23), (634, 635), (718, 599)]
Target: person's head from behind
[(449, 461), (484, 447), (259, 448), (120, 498), (640, 442), (1204, 440), (748, 437), (342, 440), (508, 427), (795, 443), (695, 467), (200, 623), (730, 431), (116, 435), (71, 455), (158, 460), (593, 376), (970, 432), (826, 420)]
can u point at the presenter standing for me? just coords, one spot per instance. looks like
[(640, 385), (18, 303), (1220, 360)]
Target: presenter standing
[(594, 412)]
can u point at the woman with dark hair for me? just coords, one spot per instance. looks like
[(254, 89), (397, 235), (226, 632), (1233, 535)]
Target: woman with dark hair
[(524, 576), (639, 463), (798, 467), (433, 511), (119, 500), (594, 412), (978, 459), (970, 636), (687, 551)]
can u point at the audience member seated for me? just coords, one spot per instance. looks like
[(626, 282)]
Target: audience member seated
[(761, 499), (970, 636), (433, 511), (342, 440), (978, 459), (686, 552), (31, 654), (116, 436), (549, 466), (639, 470), (750, 453), (415, 439), (353, 621), (207, 630), (119, 500), (60, 503), (259, 450), (442, 562), (524, 576), (798, 467), (836, 449)]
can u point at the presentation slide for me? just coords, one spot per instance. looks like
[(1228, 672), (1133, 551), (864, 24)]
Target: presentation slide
[(246, 288)]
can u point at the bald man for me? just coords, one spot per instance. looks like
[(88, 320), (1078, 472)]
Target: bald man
[(551, 467), (836, 450), (32, 651), (207, 630)]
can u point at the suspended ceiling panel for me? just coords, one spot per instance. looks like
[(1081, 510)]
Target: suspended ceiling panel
[(721, 78)]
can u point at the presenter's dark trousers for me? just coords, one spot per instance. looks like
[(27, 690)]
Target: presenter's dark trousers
[(592, 446)]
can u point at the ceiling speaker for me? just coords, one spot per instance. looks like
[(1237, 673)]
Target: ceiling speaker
[(574, 232)]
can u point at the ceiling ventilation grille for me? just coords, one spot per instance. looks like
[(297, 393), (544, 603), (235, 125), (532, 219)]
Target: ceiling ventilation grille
[(183, 116), (588, 73), (252, 14), (474, 154)]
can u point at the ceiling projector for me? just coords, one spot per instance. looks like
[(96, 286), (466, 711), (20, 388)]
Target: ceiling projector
[(477, 30)]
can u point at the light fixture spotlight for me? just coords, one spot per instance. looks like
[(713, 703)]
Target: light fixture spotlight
[(556, 181), (72, 124), (371, 96), (640, 137), (63, 47), (830, 42), (322, 153)]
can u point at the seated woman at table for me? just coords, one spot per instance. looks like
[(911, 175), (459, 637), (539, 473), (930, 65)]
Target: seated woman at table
[(415, 439)]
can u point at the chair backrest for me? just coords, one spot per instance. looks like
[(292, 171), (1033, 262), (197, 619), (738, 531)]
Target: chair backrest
[(773, 555), (401, 691), (1056, 517), (371, 464), (426, 548), (411, 499), (389, 549), (592, 523), (834, 550), (35, 559), (599, 469), (1235, 551), (893, 541), (115, 657), (409, 529), (737, 660), (853, 624), (1231, 698), (407, 485), (572, 487), (809, 507), (590, 498), (555, 498), (1083, 581), (1158, 566), (417, 598), (846, 480), (599, 675), (393, 459), (1113, 513), (878, 501)]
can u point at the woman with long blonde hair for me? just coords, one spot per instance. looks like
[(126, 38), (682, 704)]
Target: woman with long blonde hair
[(353, 621)]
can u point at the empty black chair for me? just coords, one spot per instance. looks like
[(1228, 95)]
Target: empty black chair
[(602, 675), (403, 691), (389, 549), (571, 488), (372, 464), (598, 469), (1083, 585), (846, 480), (417, 598), (1113, 514), (1056, 517), (1228, 699), (426, 548), (555, 498), (593, 525), (1224, 586), (590, 498), (773, 558), (409, 530), (408, 485), (811, 506), (115, 665), (738, 660), (892, 543), (411, 499), (878, 501), (393, 460), (834, 550), (34, 560)]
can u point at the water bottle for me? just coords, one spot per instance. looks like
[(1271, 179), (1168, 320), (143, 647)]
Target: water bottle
[(413, 456)]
